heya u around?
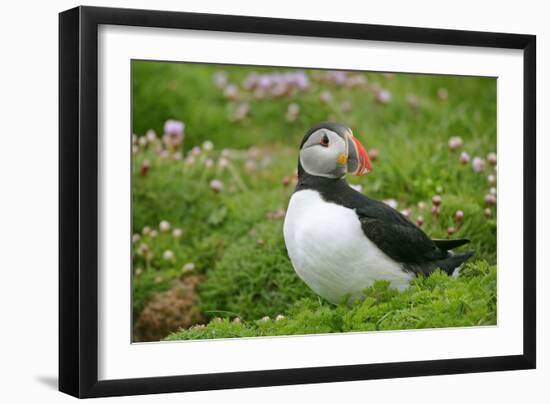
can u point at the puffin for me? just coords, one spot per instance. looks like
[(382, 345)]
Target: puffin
[(339, 240)]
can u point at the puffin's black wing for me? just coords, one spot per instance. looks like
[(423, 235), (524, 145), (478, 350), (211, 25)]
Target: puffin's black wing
[(404, 242), (395, 235), (450, 244)]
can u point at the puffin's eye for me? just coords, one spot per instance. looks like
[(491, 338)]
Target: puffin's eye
[(324, 141)]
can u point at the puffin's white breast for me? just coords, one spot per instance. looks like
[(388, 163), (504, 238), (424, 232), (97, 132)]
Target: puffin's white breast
[(330, 252)]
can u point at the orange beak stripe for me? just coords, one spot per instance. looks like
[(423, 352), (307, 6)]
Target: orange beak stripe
[(365, 164)]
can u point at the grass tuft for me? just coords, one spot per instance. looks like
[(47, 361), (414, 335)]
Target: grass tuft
[(436, 301)]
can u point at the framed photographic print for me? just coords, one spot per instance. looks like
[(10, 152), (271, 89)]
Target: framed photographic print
[(251, 201)]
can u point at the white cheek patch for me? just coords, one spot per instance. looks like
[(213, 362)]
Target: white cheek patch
[(316, 169), (323, 161), (320, 161)]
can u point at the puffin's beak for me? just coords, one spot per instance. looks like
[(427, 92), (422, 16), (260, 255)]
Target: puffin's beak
[(358, 160)]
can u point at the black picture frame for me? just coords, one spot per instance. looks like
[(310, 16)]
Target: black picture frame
[(78, 201)]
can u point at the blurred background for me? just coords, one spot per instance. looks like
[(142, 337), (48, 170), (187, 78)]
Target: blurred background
[(215, 149)]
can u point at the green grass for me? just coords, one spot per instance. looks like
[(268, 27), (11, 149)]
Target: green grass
[(432, 302), (240, 253)]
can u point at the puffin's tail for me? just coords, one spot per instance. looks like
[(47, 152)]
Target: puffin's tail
[(450, 244), (454, 261)]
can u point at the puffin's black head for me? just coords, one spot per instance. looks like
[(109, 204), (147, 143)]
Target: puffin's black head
[(330, 150)]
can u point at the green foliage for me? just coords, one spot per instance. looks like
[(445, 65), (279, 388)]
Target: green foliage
[(435, 301), (254, 278)]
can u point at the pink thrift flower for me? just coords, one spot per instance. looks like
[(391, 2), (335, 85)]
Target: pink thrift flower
[(478, 164)]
